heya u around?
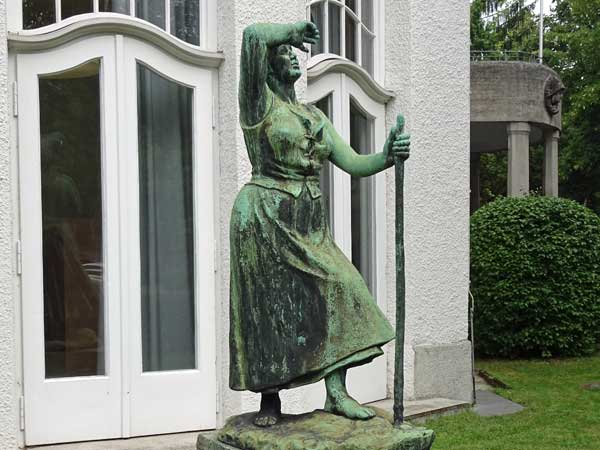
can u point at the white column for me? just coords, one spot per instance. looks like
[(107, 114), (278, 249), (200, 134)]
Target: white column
[(551, 163), (518, 158)]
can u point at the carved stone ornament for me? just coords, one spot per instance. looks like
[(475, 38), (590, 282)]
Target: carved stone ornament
[(554, 90)]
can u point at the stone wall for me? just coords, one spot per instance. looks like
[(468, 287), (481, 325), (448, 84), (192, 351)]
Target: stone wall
[(427, 65)]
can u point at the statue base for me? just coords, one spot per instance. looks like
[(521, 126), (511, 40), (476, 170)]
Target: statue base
[(317, 431)]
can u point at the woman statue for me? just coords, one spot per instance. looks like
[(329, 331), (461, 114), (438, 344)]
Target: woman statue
[(300, 311)]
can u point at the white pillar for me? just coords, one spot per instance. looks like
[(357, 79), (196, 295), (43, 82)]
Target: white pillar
[(551, 163), (518, 158)]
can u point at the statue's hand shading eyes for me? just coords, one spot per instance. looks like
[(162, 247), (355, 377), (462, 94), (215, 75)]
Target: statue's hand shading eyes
[(305, 33), (398, 142)]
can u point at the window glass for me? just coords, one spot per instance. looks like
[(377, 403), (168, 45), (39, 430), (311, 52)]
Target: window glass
[(185, 20), (152, 11), (325, 105), (166, 223), (183, 16), (349, 29), (70, 155), (361, 198), (367, 13), (334, 29), (117, 6), (367, 51), (71, 8), (350, 38), (316, 16), (38, 13)]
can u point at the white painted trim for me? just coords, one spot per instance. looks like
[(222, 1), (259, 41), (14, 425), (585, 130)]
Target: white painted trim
[(326, 64), (86, 25), (379, 50), (51, 413), (179, 400), (14, 15)]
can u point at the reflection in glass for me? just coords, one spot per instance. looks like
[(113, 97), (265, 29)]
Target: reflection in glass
[(185, 20), (151, 10), (367, 13), (69, 8), (334, 29), (38, 13), (361, 198), (316, 17), (117, 6), (367, 53), (166, 223), (325, 105), (70, 155), (350, 38)]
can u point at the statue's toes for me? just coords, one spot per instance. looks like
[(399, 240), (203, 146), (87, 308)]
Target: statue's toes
[(265, 421), (365, 414)]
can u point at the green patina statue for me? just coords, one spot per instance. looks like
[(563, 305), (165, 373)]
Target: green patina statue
[(300, 311)]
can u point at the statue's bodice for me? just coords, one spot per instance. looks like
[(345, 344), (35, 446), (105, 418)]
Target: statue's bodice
[(283, 147)]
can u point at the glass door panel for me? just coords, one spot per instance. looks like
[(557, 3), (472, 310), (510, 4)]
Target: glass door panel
[(72, 222), (169, 205), (166, 222), (362, 216), (326, 106), (70, 277)]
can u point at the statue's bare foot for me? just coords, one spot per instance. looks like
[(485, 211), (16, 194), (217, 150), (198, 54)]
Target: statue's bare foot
[(270, 410), (348, 407)]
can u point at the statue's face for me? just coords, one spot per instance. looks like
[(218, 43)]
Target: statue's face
[(553, 93), (285, 65)]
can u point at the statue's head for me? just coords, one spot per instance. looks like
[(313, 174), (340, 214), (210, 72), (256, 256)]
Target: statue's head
[(554, 90), (284, 65)]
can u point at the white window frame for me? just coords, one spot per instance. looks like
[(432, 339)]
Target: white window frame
[(208, 20), (111, 39), (378, 32)]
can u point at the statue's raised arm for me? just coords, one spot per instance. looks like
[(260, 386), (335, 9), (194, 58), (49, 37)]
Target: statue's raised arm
[(259, 59)]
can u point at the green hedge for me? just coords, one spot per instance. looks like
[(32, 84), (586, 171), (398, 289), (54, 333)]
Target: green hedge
[(535, 277)]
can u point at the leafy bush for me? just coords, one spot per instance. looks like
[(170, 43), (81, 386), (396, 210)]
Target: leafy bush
[(535, 277)]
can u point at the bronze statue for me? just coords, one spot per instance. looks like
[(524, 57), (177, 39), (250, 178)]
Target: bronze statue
[(300, 311)]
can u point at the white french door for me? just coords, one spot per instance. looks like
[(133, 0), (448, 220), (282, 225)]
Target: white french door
[(116, 188), (357, 206)]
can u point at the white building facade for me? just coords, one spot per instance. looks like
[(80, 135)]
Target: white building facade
[(120, 158)]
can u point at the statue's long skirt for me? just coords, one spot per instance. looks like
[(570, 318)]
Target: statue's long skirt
[(299, 308)]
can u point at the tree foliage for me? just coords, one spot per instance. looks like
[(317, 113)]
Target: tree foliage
[(573, 50)]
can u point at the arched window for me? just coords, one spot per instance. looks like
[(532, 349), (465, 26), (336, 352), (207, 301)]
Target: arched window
[(348, 29), (187, 20)]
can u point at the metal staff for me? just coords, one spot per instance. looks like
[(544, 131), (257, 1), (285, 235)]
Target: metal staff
[(400, 285)]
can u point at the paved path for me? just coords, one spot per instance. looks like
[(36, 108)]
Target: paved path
[(490, 405)]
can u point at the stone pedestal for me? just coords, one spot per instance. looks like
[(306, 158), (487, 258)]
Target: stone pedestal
[(317, 431)]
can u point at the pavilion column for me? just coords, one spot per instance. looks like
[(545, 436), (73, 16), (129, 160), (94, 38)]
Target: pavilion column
[(518, 158), (551, 163), (475, 181)]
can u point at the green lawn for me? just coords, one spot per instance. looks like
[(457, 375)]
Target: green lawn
[(559, 414)]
